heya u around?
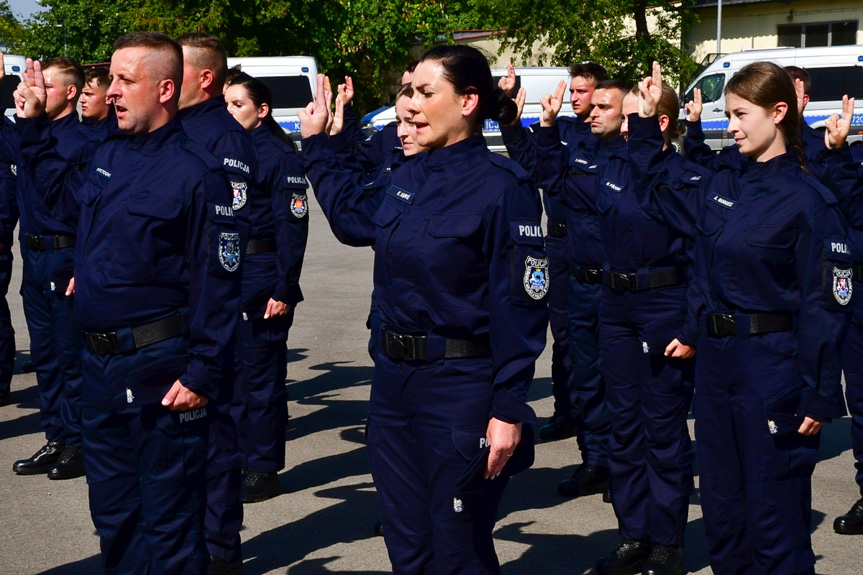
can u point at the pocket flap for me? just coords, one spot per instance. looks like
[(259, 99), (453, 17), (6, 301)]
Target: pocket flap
[(150, 205), (443, 225), (771, 236)]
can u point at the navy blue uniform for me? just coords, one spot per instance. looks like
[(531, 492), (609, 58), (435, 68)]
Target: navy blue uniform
[(279, 230), (584, 257), (47, 236), (460, 277), (156, 242), (643, 308), (210, 125), (772, 272), (8, 221)]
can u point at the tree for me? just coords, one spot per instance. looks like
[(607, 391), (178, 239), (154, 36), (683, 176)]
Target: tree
[(10, 28), (593, 30)]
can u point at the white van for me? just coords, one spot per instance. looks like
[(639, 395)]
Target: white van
[(537, 82), (14, 67), (835, 71), (293, 80)]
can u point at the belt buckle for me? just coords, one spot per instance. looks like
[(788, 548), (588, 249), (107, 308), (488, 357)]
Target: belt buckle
[(395, 344), (36, 242), (103, 343), (624, 281), (723, 324)]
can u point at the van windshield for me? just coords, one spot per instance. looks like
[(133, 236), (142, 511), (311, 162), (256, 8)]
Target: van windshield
[(289, 91), (711, 88)]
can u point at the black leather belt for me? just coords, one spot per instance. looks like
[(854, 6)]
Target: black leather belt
[(48, 242), (628, 281), (261, 246), (720, 324), (416, 347), (587, 275), (557, 229), (142, 335)]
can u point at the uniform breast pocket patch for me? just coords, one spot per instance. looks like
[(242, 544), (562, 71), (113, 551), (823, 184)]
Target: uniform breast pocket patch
[(229, 250), (299, 205), (842, 286), (536, 278), (239, 189)]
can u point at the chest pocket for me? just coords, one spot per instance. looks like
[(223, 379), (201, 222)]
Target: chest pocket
[(771, 248), (453, 254), (148, 238)]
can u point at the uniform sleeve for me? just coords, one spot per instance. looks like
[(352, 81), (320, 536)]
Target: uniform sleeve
[(518, 285), (351, 128), (372, 151), (9, 141), (291, 222), (838, 170), (236, 153), (338, 193), (824, 265), (520, 145), (214, 286)]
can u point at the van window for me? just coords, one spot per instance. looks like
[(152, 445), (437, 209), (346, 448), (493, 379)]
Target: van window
[(833, 83), (289, 91), (817, 34), (711, 88), (7, 86)]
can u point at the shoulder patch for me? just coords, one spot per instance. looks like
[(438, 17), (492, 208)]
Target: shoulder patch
[(536, 279), (229, 250), (299, 205), (239, 189), (842, 285)]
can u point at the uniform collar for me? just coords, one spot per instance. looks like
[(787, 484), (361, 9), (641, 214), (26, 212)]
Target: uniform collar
[(262, 132), (154, 141), (66, 121), (783, 163), (613, 147), (205, 107), (467, 149)]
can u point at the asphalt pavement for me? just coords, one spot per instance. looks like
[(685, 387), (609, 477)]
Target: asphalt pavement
[(324, 520)]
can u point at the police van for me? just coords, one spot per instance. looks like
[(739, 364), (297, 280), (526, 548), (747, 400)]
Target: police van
[(536, 81), (835, 71), (14, 67), (293, 80)]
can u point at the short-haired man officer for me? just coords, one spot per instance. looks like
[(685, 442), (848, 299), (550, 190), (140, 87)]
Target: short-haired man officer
[(206, 120), (47, 236), (157, 296)]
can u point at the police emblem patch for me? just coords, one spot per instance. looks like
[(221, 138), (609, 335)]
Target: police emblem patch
[(842, 288), (457, 505), (536, 278), (239, 194), (229, 250), (299, 205)]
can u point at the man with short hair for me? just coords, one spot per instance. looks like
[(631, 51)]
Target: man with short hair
[(206, 120), (94, 103), (47, 237), (157, 297)]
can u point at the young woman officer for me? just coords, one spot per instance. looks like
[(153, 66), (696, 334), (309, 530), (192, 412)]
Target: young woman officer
[(773, 278), (460, 277), (271, 290)]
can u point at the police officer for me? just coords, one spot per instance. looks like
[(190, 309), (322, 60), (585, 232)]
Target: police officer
[(460, 277), (645, 344), (156, 294), (576, 384), (47, 236), (207, 121), (271, 289), (772, 271), (8, 221)]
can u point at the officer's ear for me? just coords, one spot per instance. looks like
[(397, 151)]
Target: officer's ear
[(778, 112), (206, 78), (72, 92), (469, 103), (166, 90), (263, 110), (663, 122)]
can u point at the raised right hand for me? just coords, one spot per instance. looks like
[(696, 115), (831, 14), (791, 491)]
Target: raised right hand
[(314, 118), (694, 107), (551, 105)]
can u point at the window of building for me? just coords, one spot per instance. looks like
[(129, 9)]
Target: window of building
[(818, 34)]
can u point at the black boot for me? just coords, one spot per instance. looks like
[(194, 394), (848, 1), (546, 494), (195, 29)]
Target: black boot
[(558, 427), (222, 567), (628, 558), (41, 461), (664, 561), (852, 522), (69, 465), (587, 480), (260, 486), (5, 398)]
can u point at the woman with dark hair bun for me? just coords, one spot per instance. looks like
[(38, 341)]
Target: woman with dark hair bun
[(460, 279), (772, 275), (270, 287)]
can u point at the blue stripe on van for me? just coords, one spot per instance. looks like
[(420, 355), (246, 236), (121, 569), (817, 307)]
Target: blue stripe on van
[(856, 121)]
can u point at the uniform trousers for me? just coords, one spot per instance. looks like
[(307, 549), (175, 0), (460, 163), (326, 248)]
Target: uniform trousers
[(55, 341), (755, 487), (588, 387), (224, 514), (648, 398), (557, 250), (145, 467), (852, 359), (7, 333), (426, 422)]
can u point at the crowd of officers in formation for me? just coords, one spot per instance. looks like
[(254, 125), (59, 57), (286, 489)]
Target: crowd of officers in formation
[(163, 239)]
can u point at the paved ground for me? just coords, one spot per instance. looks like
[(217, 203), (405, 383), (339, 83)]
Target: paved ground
[(323, 523)]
